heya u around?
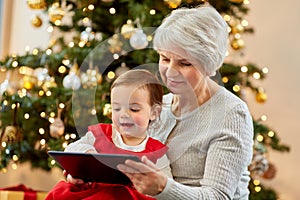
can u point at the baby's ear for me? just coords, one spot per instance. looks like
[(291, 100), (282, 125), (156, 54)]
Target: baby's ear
[(155, 111)]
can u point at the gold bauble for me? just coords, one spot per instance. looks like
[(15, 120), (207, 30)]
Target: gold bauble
[(115, 44), (238, 28), (36, 4), (237, 44), (55, 12), (261, 97), (127, 29), (36, 21), (173, 3), (28, 82), (236, 1)]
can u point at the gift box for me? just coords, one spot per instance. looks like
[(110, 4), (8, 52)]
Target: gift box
[(21, 192)]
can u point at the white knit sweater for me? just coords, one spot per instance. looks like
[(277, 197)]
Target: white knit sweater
[(210, 149)]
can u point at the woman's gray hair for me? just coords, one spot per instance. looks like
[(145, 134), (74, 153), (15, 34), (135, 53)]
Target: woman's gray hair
[(201, 32)]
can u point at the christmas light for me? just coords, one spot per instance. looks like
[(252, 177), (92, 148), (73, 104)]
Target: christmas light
[(225, 79), (42, 142), (41, 93), (14, 63), (265, 70), (91, 7), (244, 68), (35, 51), (15, 158), (236, 88), (271, 133), (26, 116), (61, 105), (43, 114), (256, 75), (112, 11), (257, 188), (111, 75), (50, 29), (52, 162), (48, 93), (256, 182), (41, 131), (152, 12), (14, 166), (48, 51), (259, 138), (3, 144), (263, 118)]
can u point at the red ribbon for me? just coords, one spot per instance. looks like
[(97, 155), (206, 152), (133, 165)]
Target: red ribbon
[(29, 194)]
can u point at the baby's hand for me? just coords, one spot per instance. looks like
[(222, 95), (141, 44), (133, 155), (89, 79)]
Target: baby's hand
[(91, 151), (72, 180)]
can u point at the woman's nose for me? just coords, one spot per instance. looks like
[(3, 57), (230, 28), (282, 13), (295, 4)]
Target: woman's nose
[(171, 70)]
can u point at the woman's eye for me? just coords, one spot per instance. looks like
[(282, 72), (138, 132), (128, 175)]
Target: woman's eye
[(116, 109), (135, 109), (186, 64)]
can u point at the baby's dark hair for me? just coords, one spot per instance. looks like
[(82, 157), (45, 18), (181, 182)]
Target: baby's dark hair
[(142, 79)]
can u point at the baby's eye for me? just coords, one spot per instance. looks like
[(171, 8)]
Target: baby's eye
[(135, 109), (116, 109)]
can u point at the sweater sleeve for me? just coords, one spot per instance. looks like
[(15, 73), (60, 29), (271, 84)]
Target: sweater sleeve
[(84, 144), (228, 156)]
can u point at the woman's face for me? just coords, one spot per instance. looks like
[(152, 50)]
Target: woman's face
[(178, 71), (131, 111)]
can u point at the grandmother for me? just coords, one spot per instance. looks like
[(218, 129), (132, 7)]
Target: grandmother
[(208, 129)]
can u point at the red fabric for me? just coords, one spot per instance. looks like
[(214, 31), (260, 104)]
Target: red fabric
[(103, 134), (104, 144), (29, 194), (95, 191)]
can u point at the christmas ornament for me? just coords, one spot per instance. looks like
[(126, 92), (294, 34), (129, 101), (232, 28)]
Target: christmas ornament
[(259, 163), (270, 172), (36, 4), (237, 44), (261, 96), (36, 21), (91, 78), (10, 134), (127, 29), (236, 1), (236, 26), (122, 69), (49, 83), (55, 12), (173, 3), (72, 81), (28, 82), (57, 128), (115, 44), (107, 110), (138, 40)]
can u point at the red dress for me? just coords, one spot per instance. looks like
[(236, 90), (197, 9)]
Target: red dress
[(104, 144)]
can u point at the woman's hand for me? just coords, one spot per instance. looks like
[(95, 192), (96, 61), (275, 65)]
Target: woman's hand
[(145, 176)]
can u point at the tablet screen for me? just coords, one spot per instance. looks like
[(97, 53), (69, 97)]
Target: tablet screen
[(93, 167)]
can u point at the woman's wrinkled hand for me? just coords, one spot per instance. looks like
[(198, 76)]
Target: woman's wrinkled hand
[(145, 176)]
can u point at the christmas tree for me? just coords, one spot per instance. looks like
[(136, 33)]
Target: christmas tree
[(92, 43)]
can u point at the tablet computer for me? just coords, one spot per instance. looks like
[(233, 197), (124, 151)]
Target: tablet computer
[(93, 167)]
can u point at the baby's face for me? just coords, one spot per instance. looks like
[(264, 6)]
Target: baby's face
[(131, 111)]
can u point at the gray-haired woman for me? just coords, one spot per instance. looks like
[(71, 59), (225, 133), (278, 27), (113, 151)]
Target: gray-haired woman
[(208, 129)]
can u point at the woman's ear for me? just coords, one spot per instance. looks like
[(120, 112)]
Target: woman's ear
[(155, 111)]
